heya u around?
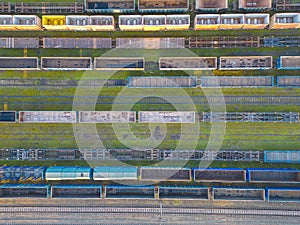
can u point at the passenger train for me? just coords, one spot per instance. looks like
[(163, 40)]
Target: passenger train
[(150, 22)]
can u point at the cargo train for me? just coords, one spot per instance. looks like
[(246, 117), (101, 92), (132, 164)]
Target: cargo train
[(218, 193), (150, 174), (138, 63), (172, 117)]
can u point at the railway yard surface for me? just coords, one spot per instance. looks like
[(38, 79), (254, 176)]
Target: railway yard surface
[(149, 112)]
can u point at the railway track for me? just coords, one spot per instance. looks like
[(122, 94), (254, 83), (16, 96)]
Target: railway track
[(108, 100), (147, 210), (274, 39)]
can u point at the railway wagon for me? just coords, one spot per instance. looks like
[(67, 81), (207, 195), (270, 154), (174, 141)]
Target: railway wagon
[(109, 6), (232, 175), (24, 191), (273, 175), (47, 117), (237, 81), (163, 6), (165, 174), (130, 192), (118, 63), (76, 191), (19, 63), (115, 173), (288, 63), (277, 156), (55, 173), (162, 82), (8, 116), (188, 63), (288, 81), (238, 194), (22, 173), (283, 194), (183, 192)]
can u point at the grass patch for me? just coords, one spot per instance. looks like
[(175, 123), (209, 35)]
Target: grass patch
[(61, 98), (237, 136)]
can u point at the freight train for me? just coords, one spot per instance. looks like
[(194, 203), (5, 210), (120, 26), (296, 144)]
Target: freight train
[(218, 193), (93, 117), (150, 43), (267, 156), (138, 63), (150, 174)]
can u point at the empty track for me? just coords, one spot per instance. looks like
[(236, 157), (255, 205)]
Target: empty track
[(147, 210), (108, 100)]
